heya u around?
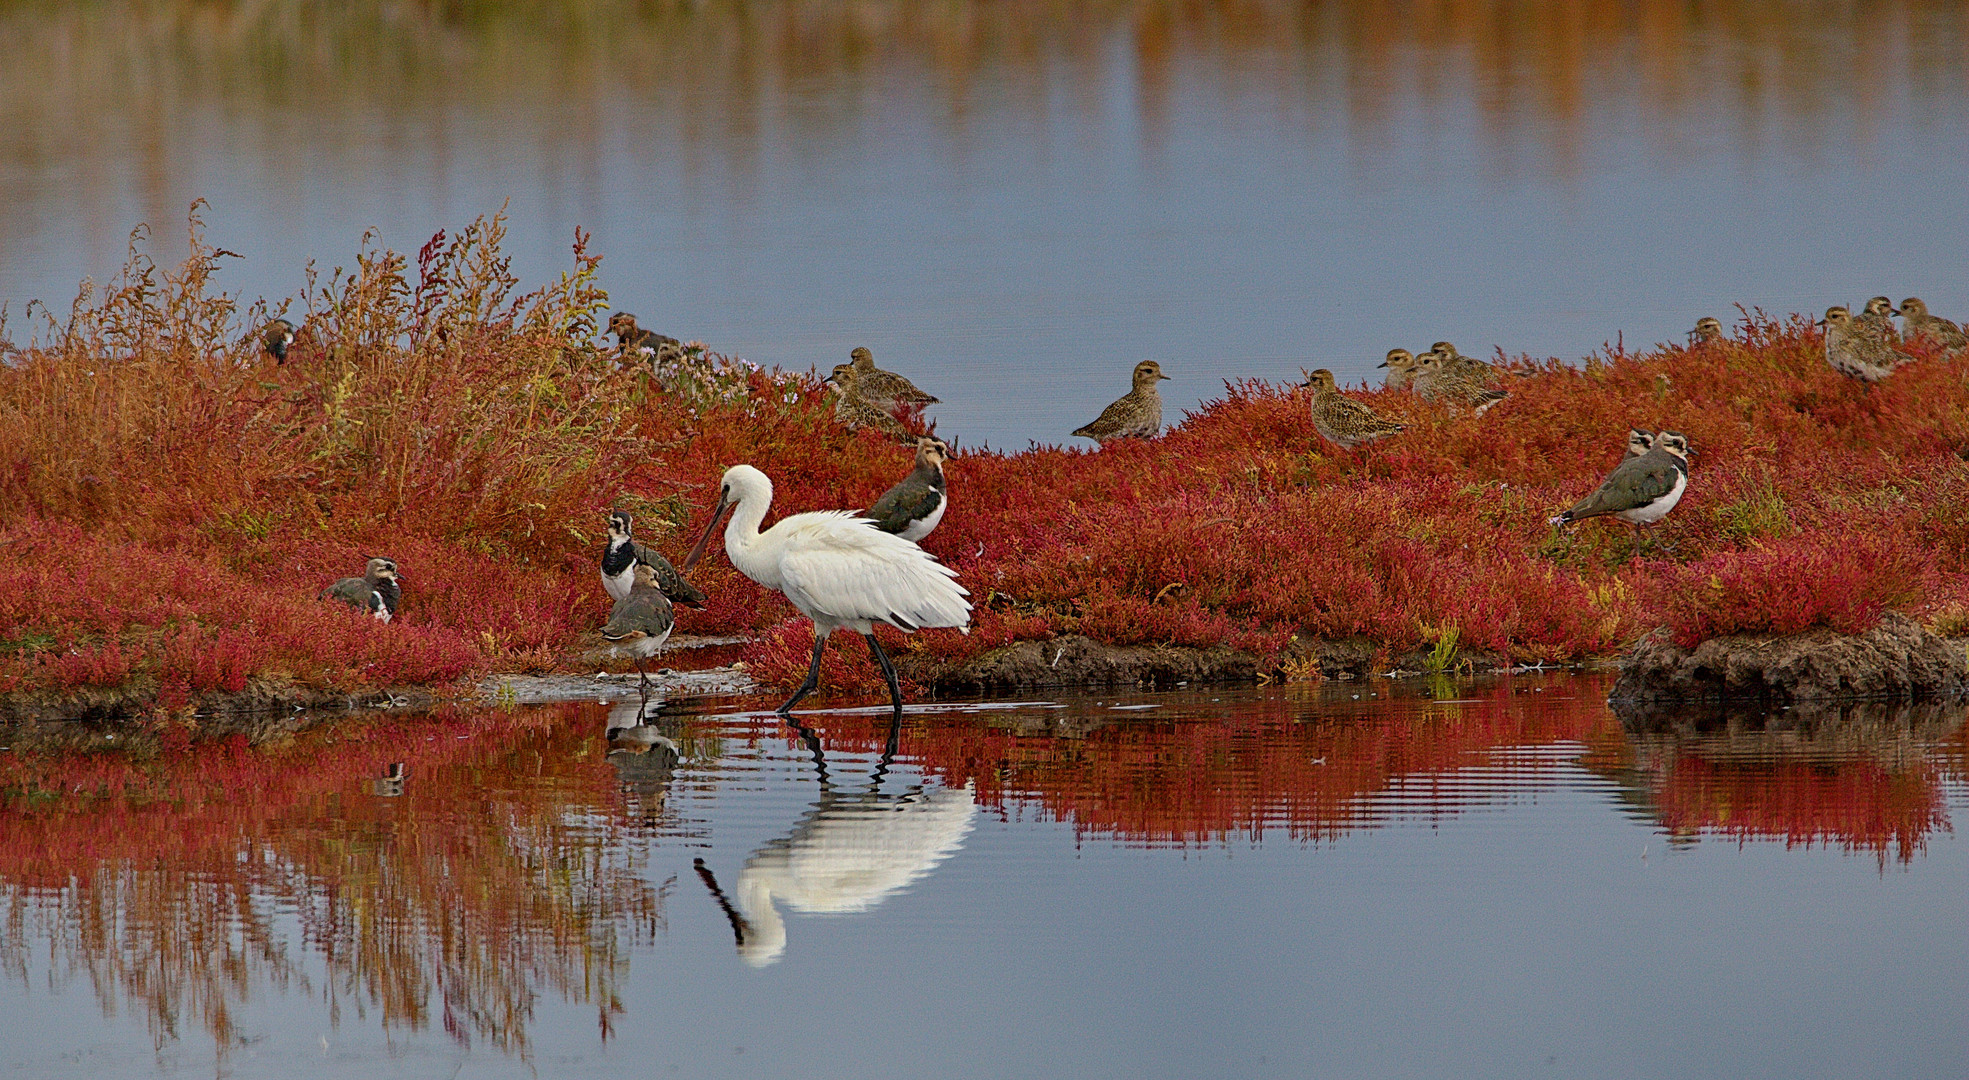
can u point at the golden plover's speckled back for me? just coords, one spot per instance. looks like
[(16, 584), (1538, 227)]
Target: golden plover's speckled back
[(885, 390), (1136, 414), (1877, 318), (1855, 352), (1457, 384), (1341, 420), (856, 412), (1919, 325)]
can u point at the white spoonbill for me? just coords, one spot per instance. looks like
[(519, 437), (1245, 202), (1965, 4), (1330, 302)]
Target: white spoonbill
[(837, 571)]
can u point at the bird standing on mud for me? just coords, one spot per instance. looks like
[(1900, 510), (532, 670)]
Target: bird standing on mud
[(641, 621), (377, 592), (913, 507), (1341, 420), (1640, 490), (1135, 415), (835, 570), (623, 554)]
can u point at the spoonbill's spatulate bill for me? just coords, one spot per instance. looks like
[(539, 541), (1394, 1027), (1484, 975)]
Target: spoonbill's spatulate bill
[(837, 571)]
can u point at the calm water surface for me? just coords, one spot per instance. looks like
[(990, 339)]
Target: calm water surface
[(1014, 202), (1506, 882)]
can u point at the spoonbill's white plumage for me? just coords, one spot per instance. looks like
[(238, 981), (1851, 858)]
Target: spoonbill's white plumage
[(837, 570)]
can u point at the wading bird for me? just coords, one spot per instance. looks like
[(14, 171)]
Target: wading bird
[(631, 339), (641, 622), (1708, 329), (1401, 369), (837, 571), (1135, 415), (856, 412), (1639, 441), (377, 591)]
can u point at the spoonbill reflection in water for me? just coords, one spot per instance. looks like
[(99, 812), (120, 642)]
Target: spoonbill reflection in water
[(837, 570), (847, 854)]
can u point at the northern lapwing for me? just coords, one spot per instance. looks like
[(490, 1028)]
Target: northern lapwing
[(623, 554), (1707, 329), (376, 592), (1134, 415), (1858, 353), (1440, 379), (1401, 370), (1341, 420), (1877, 319), (885, 390), (856, 412), (1641, 490), (632, 340), (913, 507), (1918, 325), (1639, 441), (641, 621), (275, 337)]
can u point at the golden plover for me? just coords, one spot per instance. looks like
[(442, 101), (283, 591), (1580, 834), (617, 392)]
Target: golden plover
[(632, 340), (885, 390), (1341, 420), (623, 554), (857, 412), (1460, 384), (1708, 329), (1855, 352), (1401, 370), (376, 592), (913, 507), (1919, 325), (1877, 319), (1640, 490), (641, 621), (1136, 414)]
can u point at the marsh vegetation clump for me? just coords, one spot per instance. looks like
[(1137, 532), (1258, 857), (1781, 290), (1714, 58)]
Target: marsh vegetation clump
[(172, 497)]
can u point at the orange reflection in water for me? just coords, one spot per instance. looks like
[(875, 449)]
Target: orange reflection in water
[(512, 856)]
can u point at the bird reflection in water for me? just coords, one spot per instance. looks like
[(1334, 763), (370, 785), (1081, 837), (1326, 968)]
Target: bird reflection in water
[(390, 785), (851, 851), (644, 755)]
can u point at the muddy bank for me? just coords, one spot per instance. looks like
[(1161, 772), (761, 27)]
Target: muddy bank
[(1899, 659), (260, 699), (604, 686), (1074, 661)]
